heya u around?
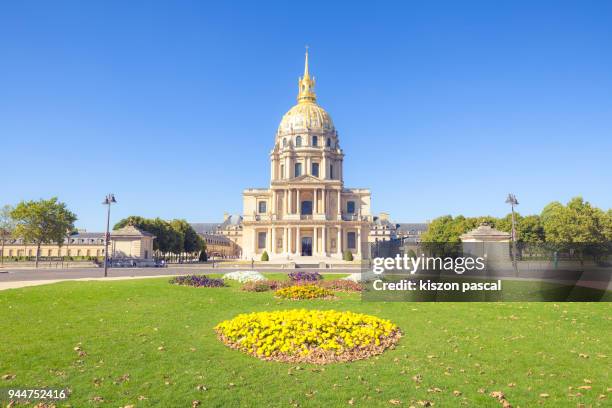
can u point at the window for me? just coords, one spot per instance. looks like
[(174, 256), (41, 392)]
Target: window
[(298, 141), (262, 207), (328, 143), (284, 142), (261, 240), (315, 169), (306, 207), (315, 140), (282, 172), (331, 171), (350, 207), (298, 169), (350, 240)]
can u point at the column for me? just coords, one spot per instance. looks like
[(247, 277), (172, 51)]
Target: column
[(324, 202), (339, 205), (315, 210), (274, 240), (339, 241), (285, 238), (272, 163), (324, 241), (358, 241), (299, 201), (324, 168), (298, 241), (290, 201), (269, 241), (315, 243)]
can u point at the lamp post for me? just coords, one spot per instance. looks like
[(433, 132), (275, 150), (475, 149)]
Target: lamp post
[(513, 202), (108, 200)]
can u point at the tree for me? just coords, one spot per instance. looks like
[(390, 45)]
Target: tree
[(347, 256), (203, 255), (7, 227), (42, 222), (191, 241), (168, 238)]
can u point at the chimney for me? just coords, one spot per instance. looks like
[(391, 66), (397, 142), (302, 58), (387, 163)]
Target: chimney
[(384, 216)]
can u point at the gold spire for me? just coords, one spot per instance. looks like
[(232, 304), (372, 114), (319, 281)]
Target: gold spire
[(306, 85)]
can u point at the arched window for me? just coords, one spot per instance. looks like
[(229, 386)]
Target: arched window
[(328, 142), (298, 141), (284, 142), (315, 140)]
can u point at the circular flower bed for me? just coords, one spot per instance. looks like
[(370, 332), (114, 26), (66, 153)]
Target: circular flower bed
[(197, 281), (312, 336), (244, 276), (304, 292), (342, 285)]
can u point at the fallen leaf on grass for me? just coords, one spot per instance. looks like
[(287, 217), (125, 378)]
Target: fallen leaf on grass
[(8, 376), (585, 387), (544, 395), (201, 387), (394, 402), (425, 403), (457, 393), (195, 403), (351, 401)]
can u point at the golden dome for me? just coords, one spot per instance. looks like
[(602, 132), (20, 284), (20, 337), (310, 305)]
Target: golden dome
[(307, 115)]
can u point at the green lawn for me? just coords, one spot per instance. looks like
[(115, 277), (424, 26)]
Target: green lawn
[(523, 349)]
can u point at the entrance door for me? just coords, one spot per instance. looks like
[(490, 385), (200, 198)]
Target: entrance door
[(306, 246)]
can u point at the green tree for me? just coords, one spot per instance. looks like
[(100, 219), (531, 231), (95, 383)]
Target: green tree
[(42, 222), (168, 239), (265, 257), (7, 227), (577, 222), (191, 242), (203, 255)]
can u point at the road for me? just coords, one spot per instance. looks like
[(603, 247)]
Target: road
[(20, 275)]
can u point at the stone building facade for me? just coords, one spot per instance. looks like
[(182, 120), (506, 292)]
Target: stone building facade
[(306, 211)]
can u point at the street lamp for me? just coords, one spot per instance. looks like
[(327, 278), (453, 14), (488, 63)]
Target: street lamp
[(513, 202), (108, 200)]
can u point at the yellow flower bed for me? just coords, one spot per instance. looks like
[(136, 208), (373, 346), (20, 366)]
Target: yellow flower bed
[(303, 292), (315, 336)]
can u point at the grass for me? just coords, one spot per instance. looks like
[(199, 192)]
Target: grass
[(523, 349)]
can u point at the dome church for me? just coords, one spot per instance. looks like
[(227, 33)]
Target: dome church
[(306, 214)]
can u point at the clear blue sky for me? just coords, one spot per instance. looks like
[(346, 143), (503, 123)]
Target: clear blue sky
[(442, 107)]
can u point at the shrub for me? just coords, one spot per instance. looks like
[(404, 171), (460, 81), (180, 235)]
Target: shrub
[(342, 285), (263, 285), (244, 276), (197, 281), (304, 292), (305, 276), (265, 257), (313, 336), (347, 256)]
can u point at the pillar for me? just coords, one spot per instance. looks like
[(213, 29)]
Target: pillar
[(274, 240), (285, 238), (339, 204), (315, 200), (324, 241), (315, 239), (298, 241), (358, 241), (299, 201), (290, 201), (339, 241)]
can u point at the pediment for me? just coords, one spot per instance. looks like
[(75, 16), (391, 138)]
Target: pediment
[(306, 178)]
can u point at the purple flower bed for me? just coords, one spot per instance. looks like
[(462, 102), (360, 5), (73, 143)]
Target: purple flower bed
[(305, 276), (197, 281)]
